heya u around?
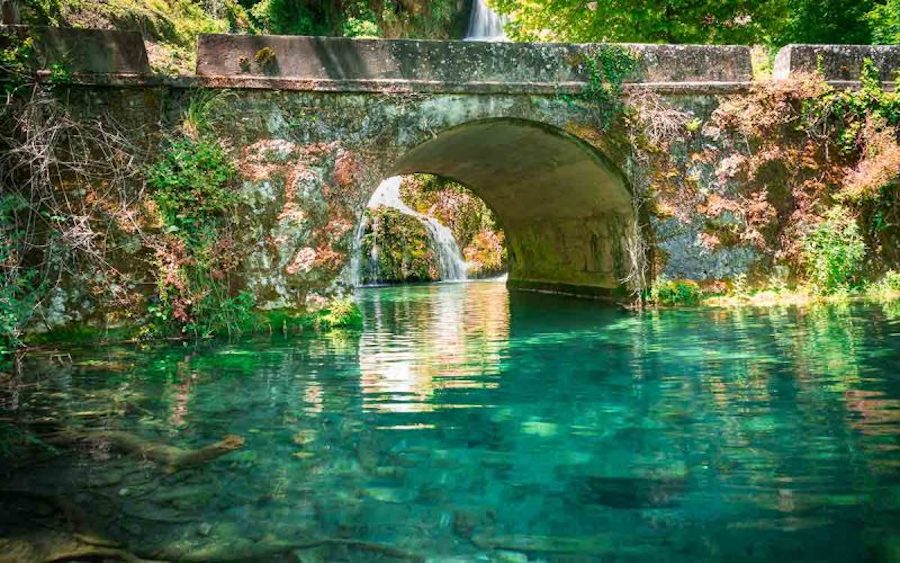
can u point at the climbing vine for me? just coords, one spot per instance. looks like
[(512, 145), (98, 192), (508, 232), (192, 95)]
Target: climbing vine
[(607, 70), (196, 254)]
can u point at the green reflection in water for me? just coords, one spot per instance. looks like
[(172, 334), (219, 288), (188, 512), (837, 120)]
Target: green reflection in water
[(465, 421)]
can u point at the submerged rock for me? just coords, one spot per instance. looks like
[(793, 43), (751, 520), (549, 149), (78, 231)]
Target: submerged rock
[(627, 492)]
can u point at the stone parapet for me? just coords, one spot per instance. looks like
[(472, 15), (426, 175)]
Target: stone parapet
[(454, 62), (837, 62), (84, 51)]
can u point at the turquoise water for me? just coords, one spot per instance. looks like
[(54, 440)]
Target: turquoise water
[(466, 422)]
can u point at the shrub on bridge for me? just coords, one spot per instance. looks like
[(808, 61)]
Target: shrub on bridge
[(196, 253), (190, 183)]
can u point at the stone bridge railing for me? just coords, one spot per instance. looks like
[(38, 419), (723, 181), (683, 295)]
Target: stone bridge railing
[(341, 64)]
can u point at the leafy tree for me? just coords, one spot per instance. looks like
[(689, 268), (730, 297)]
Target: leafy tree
[(825, 21), (884, 21), (354, 18), (776, 22), (297, 17), (672, 21)]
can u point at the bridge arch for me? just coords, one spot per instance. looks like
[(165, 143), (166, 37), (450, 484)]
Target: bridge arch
[(565, 208)]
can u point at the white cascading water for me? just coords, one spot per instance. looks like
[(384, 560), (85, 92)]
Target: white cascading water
[(485, 24), (450, 259)]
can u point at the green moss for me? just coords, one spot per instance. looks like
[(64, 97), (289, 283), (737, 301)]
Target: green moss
[(675, 292), (281, 321), (266, 59), (198, 290), (341, 313), (82, 334), (338, 314), (397, 248)]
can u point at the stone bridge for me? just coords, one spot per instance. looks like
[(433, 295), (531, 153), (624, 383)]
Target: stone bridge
[(317, 123)]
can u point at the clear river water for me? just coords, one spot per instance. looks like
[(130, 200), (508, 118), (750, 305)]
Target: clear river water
[(468, 423)]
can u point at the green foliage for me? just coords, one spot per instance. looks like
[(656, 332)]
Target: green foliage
[(436, 19), (884, 20), (201, 106), (341, 313), (702, 21), (397, 248), (833, 252), (295, 17), (191, 183), (175, 22), (356, 27), (892, 280), (18, 298), (675, 292), (607, 69), (218, 312), (888, 285), (20, 288), (15, 60), (193, 189), (771, 22), (849, 109), (60, 73), (822, 21), (15, 57), (43, 12), (171, 25)]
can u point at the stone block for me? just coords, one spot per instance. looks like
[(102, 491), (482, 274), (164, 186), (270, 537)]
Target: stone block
[(84, 51), (453, 62), (837, 62)]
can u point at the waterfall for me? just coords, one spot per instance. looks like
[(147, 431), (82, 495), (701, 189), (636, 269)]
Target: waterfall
[(485, 24), (450, 260)]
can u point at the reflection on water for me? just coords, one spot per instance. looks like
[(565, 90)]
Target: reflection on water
[(468, 422), (423, 340)]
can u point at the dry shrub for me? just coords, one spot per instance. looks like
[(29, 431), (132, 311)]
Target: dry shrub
[(659, 122), (79, 186), (880, 163), (769, 106)]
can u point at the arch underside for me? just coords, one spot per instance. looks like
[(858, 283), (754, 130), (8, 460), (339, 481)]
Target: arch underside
[(564, 208)]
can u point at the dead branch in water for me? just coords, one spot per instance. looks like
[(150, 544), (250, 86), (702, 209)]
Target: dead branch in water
[(172, 458)]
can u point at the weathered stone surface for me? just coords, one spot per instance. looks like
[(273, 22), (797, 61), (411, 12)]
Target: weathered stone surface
[(310, 158), (837, 62), (331, 58), (89, 51), (308, 163)]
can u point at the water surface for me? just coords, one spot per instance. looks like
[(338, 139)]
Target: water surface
[(468, 422)]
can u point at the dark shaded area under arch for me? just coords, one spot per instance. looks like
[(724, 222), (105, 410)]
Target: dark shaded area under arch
[(564, 207)]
